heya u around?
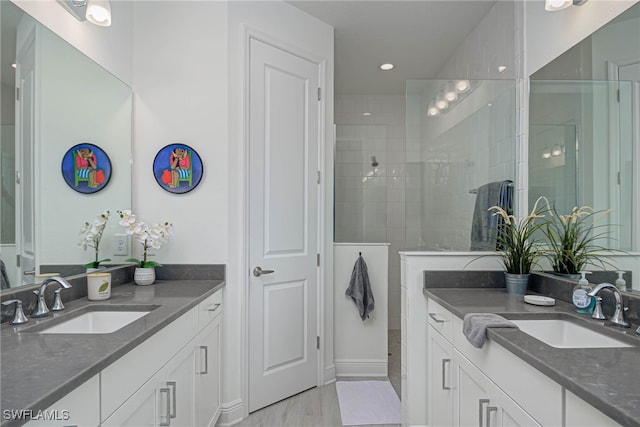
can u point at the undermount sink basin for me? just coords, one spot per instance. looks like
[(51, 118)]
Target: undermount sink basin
[(99, 321), (565, 334)]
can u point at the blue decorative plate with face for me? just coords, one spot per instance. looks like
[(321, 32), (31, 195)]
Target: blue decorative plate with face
[(86, 168), (177, 168)]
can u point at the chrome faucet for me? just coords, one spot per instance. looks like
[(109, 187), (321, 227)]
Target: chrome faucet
[(618, 315), (41, 309)]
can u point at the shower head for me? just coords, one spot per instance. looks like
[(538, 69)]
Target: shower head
[(374, 162)]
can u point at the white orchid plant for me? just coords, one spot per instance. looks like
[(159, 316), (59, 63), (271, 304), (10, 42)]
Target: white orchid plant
[(150, 237), (90, 236)]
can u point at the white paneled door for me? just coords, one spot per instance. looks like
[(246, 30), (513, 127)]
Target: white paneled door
[(283, 223)]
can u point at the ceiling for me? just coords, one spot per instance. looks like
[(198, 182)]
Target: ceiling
[(417, 36)]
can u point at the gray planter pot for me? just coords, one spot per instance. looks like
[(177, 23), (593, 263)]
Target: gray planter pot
[(516, 283)]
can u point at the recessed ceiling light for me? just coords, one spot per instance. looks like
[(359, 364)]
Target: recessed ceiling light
[(502, 68), (366, 114), (14, 65), (386, 67)]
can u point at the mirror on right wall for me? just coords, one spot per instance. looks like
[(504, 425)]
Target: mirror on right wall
[(584, 126)]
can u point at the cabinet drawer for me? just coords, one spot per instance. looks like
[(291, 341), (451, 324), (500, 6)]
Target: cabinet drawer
[(209, 309), (440, 318)]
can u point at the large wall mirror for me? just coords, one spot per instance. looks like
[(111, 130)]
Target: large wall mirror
[(64, 99), (584, 127)]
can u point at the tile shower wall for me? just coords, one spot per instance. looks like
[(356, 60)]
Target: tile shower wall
[(471, 144), (370, 198)]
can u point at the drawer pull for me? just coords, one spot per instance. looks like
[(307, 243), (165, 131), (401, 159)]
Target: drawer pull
[(444, 363), (481, 403), (434, 316), (214, 308), (205, 358), (172, 398), (165, 415), (490, 409)]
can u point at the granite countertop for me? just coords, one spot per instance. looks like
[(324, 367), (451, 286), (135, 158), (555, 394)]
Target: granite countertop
[(606, 378), (39, 369)]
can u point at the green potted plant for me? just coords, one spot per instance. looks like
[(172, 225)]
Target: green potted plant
[(573, 240), (519, 251), (90, 236), (149, 237)]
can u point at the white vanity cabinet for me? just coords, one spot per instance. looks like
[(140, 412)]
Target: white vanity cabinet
[(466, 387), (184, 387), (81, 407), (185, 391)]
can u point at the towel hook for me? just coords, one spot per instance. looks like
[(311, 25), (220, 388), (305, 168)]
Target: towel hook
[(360, 253)]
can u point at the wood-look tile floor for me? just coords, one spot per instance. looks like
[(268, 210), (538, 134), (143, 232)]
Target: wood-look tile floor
[(315, 407), (319, 406)]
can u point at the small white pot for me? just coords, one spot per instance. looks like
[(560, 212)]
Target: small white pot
[(144, 276)]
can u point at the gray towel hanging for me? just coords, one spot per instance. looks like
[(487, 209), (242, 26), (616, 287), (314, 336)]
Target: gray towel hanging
[(360, 288)]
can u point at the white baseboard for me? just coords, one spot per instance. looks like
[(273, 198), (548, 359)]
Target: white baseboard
[(329, 374), (361, 368), (231, 413)]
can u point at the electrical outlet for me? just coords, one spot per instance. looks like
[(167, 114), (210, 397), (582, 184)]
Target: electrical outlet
[(121, 244)]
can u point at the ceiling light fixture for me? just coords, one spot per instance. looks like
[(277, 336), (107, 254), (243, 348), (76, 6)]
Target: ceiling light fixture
[(14, 65), (386, 67), (462, 86), (502, 68), (557, 151), (366, 114), (546, 154), (98, 12), (450, 94), (554, 5), (432, 111), (442, 104)]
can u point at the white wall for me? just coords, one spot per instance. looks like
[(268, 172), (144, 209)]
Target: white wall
[(108, 46), (180, 96), (290, 27), (361, 346)]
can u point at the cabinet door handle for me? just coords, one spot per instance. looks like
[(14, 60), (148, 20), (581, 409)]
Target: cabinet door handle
[(205, 358), (444, 363), (172, 398), (490, 409), (214, 308), (481, 403), (165, 416), (435, 317)]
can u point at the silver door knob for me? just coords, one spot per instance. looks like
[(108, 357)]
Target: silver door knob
[(258, 271), (30, 272)]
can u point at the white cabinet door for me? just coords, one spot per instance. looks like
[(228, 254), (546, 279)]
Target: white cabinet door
[(179, 378), (80, 407), (440, 386), (143, 407), (509, 413), (167, 399), (581, 414), (208, 374), (471, 393)]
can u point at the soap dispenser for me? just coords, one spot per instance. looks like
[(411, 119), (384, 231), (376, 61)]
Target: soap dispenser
[(621, 284), (583, 302)]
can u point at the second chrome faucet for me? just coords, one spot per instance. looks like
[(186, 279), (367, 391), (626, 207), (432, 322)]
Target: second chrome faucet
[(618, 316)]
